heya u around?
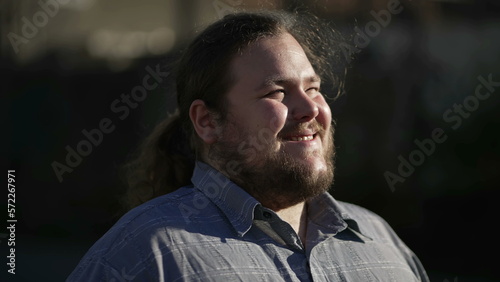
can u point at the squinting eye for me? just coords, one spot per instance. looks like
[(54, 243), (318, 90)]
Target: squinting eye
[(313, 88), (275, 93)]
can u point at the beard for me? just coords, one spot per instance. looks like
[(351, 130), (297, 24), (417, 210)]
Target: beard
[(267, 172)]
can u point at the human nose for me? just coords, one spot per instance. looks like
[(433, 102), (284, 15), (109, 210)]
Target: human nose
[(302, 107)]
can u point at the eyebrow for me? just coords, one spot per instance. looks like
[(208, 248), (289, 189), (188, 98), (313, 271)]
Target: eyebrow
[(280, 80)]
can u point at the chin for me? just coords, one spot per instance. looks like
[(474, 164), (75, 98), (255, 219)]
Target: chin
[(315, 163)]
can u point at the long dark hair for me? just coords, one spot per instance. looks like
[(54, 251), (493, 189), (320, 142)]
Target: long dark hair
[(165, 160)]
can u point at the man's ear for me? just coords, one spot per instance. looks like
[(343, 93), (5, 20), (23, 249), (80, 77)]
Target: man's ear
[(203, 121)]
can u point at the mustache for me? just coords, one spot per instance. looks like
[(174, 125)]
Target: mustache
[(294, 128)]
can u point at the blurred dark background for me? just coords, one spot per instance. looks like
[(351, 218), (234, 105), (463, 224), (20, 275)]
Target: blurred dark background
[(64, 67)]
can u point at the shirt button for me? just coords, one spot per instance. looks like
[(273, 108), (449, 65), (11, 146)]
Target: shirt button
[(267, 214)]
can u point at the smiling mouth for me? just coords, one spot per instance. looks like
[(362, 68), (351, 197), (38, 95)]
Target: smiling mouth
[(301, 138)]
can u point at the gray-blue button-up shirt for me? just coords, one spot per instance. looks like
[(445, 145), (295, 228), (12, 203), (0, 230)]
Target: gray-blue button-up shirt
[(215, 231)]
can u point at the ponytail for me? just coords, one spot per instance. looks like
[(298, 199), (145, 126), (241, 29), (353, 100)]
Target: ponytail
[(163, 163)]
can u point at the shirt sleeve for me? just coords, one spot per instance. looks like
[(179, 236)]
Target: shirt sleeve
[(411, 258), (376, 227), (117, 256)]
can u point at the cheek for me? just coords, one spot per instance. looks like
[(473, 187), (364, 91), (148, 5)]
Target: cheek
[(325, 114), (274, 116)]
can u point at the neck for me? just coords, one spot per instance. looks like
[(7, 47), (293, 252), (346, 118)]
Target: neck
[(296, 216)]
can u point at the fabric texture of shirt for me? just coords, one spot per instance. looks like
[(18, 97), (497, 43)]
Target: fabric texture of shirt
[(215, 231)]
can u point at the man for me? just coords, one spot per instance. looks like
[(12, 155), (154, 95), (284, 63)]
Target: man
[(256, 134)]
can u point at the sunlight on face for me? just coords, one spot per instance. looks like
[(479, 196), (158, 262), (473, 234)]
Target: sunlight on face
[(278, 135)]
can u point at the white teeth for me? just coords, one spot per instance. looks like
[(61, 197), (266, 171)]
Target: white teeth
[(303, 138)]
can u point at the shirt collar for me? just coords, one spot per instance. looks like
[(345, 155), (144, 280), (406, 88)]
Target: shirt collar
[(325, 211), (233, 201), (239, 206)]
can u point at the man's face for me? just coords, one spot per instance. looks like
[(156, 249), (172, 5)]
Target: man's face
[(277, 139)]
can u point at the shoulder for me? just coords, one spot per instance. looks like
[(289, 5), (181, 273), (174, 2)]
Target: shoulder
[(380, 232), (166, 207), (358, 213), (370, 223), (174, 211), (355, 210), (127, 242)]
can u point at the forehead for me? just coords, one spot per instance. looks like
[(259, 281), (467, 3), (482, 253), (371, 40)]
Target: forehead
[(272, 57)]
